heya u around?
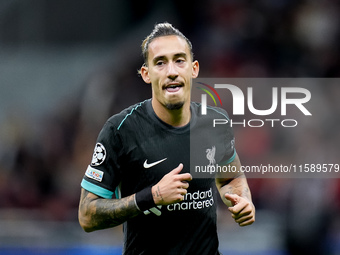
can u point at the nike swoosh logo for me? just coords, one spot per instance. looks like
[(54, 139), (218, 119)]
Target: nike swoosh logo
[(146, 165)]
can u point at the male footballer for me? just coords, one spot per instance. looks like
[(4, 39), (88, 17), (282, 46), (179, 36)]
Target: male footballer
[(139, 175)]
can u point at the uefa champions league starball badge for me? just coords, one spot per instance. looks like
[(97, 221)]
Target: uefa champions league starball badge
[(99, 155)]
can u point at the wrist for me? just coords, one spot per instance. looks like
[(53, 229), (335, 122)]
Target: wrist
[(156, 194), (144, 199)]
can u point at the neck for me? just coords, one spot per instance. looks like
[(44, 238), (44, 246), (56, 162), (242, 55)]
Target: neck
[(176, 118)]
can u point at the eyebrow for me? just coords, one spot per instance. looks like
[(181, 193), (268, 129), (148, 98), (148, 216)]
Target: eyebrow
[(177, 55)]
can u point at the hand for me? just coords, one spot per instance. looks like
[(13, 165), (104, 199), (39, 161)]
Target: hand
[(242, 210), (172, 187)]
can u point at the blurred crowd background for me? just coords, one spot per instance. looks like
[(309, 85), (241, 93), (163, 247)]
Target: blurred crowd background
[(66, 66)]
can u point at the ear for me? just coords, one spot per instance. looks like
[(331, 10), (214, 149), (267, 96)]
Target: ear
[(195, 69), (144, 71)]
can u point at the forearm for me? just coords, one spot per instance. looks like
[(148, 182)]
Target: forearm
[(97, 213), (235, 193), (237, 185), (233, 182)]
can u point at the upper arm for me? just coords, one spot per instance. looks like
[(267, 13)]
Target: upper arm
[(233, 172)]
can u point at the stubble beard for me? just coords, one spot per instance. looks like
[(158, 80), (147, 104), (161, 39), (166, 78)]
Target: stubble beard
[(175, 106)]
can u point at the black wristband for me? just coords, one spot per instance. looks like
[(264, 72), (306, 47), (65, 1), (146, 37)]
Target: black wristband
[(144, 199)]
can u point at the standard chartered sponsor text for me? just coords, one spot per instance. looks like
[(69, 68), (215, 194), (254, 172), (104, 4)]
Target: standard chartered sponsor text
[(194, 201)]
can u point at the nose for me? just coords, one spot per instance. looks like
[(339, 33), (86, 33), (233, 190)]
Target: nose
[(172, 71)]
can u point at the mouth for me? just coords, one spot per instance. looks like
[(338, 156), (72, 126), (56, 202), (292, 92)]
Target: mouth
[(173, 87)]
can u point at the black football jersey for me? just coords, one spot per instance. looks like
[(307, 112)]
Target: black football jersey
[(135, 149)]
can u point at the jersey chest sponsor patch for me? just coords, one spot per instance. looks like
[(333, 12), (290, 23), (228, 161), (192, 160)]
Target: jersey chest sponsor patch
[(94, 174)]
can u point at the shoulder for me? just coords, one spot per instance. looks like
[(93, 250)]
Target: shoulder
[(211, 111), (129, 116)]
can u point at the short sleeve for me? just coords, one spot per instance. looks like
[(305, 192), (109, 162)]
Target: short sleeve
[(103, 174)]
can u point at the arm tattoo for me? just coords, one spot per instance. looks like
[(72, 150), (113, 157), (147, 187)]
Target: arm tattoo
[(100, 213), (229, 190), (158, 194), (237, 186)]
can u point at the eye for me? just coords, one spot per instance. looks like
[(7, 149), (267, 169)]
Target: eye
[(180, 60), (160, 63)]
